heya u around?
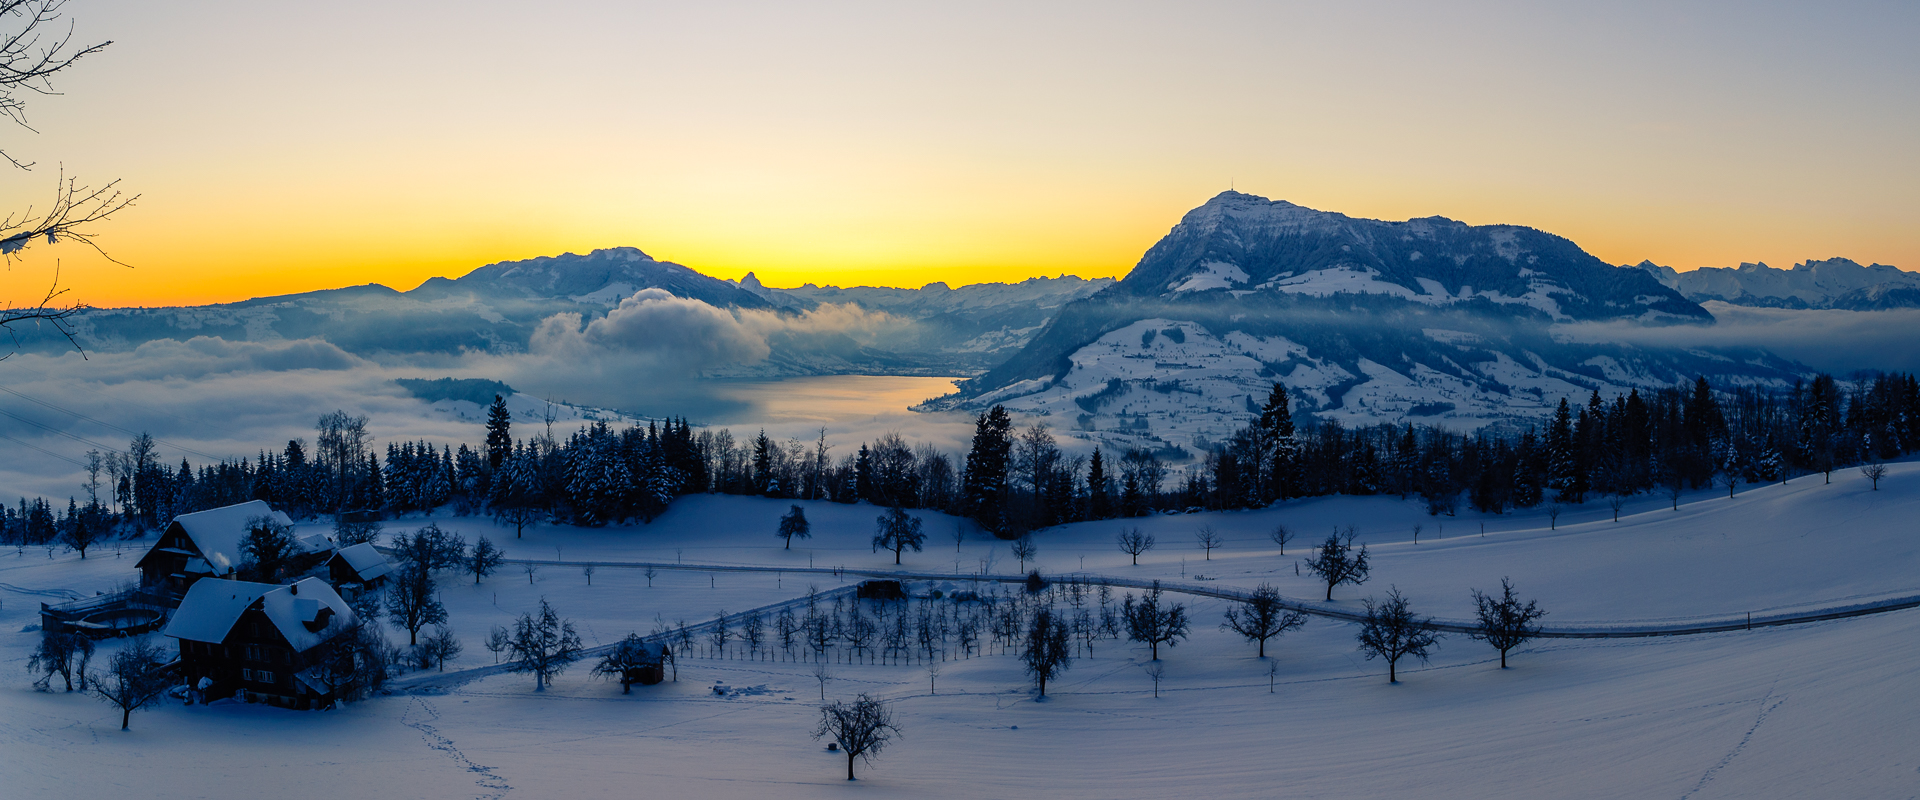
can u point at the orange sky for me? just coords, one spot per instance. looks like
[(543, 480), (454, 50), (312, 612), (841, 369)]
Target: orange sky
[(282, 149)]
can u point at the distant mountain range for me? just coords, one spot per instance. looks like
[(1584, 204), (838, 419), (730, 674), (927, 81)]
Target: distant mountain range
[(1430, 320), (1834, 283), (495, 309)]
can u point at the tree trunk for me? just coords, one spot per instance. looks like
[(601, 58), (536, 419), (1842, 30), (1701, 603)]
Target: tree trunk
[(1503, 659), (849, 765), (1263, 648), (1391, 677), (125, 715)]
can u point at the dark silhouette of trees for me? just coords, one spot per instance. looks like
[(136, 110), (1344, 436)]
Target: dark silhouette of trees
[(1025, 549), (1391, 631), (1505, 623), (862, 728), (1338, 563), (1262, 617)]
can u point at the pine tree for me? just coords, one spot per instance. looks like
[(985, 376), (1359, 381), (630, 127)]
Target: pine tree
[(499, 432), (987, 463), (1099, 502)]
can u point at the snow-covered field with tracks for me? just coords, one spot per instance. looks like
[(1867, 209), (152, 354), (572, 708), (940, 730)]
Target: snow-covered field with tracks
[(1822, 709)]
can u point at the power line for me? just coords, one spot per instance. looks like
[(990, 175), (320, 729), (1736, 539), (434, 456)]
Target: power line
[(88, 442), (43, 450), (127, 431)]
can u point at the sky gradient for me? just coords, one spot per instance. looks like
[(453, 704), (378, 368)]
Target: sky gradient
[(288, 147)]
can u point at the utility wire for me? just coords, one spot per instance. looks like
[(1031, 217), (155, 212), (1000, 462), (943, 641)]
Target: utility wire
[(127, 431), (43, 450), (88, 442)]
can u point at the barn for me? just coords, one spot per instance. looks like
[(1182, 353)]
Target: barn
[(358, 567), (263, 642)]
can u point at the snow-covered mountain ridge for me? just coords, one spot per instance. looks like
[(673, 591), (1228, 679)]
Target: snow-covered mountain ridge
[(1837, 283), (1428, 320)]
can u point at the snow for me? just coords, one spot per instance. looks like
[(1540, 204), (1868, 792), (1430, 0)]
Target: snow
[(365, 561), (219, 532), (1324, 282), (1211, 275), (1815, 710), (213, 605)]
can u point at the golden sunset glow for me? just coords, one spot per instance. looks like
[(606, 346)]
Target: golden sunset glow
[(884, 146)]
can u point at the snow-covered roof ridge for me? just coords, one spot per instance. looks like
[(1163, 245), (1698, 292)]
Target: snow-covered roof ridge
[(365, 561), (300, 611), (219, 532)]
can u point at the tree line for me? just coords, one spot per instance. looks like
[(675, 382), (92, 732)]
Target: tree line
[(1014, 480)]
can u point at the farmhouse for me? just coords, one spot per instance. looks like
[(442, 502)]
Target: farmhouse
[(207, 544), (262, 642)]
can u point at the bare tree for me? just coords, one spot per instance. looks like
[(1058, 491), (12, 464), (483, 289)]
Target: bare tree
[(499, 641), (1208, 539), (1262, 617), (1133, 542), (897, 530), (1156, 670), (1338, 563), (484, 559), (438, 647), (544, 645), (650, 573), (1024, 549), (530, 568), (1505, 623), (1281, 536), (1874, 472), (1553, 515), (1048, 652), (56, 655), (1616, 501), (135, 677), (587, 570), (412, 602), (1391, 631), (1151, 623), (933, 672), (862, 728), (822, 673), (33, 49)]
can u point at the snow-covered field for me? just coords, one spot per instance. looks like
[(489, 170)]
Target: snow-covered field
[(1815, 710)]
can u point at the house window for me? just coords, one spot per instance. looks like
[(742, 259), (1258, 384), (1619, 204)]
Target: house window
[(266, 677), (253, 652), (246, 674)]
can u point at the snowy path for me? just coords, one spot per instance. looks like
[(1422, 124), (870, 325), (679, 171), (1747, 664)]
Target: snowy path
[(1680, 626)]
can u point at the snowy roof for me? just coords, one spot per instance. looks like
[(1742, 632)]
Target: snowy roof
[(365, 561), (299, 611), (218, 532)]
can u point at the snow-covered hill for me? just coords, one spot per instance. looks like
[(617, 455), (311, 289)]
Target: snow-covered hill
[(1836, 283), (1366, 321)]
